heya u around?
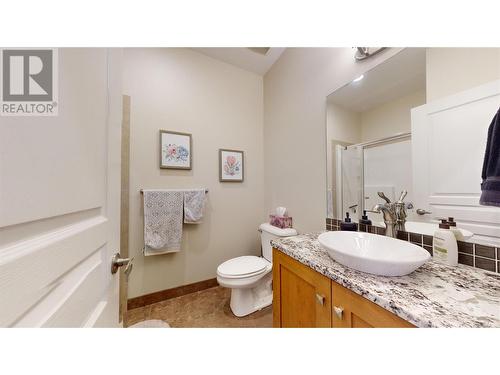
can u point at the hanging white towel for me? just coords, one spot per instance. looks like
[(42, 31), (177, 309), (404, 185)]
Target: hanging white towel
[(162, 221), (194, 202)]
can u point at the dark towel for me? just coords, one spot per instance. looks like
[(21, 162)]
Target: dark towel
[(491, 167)]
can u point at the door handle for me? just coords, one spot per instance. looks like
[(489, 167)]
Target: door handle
[(128, 267), (117, 262), (421, 211)]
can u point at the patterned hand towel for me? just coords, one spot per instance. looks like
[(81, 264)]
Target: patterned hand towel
[(162, 221), (194, 202), (491, 167)]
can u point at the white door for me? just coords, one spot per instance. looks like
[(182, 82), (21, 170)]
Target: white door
[(60, 200), (448, 145)]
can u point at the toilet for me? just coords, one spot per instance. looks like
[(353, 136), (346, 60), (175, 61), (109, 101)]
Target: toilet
[(249, 277)]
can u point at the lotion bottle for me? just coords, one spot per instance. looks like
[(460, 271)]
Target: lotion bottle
[(444, 245)]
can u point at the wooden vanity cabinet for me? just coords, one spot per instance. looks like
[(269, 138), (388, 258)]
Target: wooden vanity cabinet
[(305, 298), (350, 310), (301, 296)]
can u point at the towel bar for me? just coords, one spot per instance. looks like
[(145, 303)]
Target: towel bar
[(142, 191)]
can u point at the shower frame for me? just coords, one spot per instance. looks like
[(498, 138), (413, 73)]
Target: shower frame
[(362, 146)]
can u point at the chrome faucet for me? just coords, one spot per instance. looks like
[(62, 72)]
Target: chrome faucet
[(400, 209), (394, 213), (388, 211)]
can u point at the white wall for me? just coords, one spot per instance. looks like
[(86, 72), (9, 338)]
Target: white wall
[(295, 91), (390, 118), (343, 124), (451, 70), (222, 106)]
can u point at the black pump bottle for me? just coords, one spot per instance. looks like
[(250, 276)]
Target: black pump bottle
[(348, 225)]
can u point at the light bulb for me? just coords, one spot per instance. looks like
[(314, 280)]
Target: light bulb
[(359, 78)]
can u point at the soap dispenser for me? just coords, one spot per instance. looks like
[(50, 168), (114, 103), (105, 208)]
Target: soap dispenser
[(444, 245), (348, 225), (456, 231), (364, 219)]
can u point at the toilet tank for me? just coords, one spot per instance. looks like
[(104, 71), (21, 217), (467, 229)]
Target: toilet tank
[(268, 233)]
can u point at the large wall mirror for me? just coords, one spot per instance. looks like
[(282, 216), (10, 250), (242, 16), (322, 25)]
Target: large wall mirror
[(384, 137), (369, 135)]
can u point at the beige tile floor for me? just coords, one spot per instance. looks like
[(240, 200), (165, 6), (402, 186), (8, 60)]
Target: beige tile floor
[(207, 308)]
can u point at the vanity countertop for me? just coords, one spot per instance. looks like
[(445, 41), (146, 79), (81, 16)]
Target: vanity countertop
[(435, 295)]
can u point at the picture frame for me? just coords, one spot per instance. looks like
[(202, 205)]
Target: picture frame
[(231, 165), (176, 150)]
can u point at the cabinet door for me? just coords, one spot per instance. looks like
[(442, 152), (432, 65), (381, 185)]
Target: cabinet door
[(302, 297), (350, 310)]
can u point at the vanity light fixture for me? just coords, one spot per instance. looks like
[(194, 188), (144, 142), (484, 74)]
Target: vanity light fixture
[(359, 78), (363, 53)]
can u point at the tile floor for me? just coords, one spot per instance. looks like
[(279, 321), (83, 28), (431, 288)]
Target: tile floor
[(204, 309)]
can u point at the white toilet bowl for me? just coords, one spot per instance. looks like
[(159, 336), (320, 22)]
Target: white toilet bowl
[(250, 277), (250, 281)]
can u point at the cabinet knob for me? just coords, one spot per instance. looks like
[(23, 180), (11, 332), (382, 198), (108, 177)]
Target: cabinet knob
[(339, 311), (320, 298)]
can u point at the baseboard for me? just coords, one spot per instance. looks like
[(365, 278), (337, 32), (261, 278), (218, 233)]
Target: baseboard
[(162, 295)]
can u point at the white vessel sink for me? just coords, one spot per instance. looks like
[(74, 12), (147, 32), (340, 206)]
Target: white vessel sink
[(373, 253)]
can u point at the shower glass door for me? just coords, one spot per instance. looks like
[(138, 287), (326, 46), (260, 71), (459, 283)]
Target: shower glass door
[(352, 182)]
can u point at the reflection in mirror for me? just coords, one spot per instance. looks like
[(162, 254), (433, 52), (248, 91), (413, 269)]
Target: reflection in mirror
[(369, 137)]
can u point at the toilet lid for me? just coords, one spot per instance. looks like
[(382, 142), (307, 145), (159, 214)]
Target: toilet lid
[(243, 266)]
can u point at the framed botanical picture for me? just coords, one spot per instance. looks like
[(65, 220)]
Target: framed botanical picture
[(175, 150), (231, 165)]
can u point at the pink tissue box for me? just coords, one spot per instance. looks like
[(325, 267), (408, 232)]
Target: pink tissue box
[(280, 221)]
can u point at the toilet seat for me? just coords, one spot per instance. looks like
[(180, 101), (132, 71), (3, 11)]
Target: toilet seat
[(243, 267), (250, 278)]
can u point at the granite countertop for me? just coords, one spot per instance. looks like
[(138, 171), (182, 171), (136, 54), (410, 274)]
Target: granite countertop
[(435, 295)]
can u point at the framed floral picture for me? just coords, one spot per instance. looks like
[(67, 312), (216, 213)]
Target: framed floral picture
[(231, 165), (175, 150)]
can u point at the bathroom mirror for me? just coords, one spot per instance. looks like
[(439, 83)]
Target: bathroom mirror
[(369, 135), (417, 122)]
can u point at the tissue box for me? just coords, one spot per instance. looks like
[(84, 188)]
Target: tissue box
[(280, 221)]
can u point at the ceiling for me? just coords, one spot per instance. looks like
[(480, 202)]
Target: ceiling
[(255, 59), (402, 74)]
